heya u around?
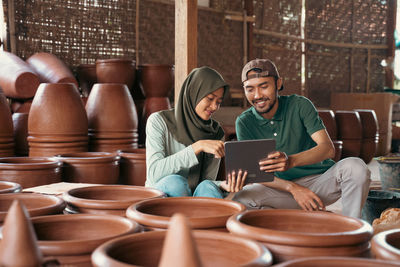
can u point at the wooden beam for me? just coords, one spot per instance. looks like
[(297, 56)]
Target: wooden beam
[(11, 25), (137, 33), (185, 41), (249, 7), (391, 25)]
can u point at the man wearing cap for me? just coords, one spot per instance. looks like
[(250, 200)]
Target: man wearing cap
[(305, 175)]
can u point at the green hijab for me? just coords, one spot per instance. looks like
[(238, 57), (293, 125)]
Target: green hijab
[(182, 121)]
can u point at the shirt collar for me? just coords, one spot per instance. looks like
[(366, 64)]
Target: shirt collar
[(277, 117)]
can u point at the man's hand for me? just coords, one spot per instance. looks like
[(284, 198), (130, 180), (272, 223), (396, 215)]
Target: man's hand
[(275, 162), (215, 147), (306, 198), (234, 183)]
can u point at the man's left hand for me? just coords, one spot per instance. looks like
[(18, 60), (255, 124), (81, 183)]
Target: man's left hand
[(275, 162)]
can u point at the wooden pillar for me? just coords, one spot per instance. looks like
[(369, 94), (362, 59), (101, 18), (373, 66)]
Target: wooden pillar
[(391, 25), (11, 25), (185, 41), (249, 7)]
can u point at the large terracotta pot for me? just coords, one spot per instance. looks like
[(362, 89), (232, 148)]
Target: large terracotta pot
[(336, 261), (156, 80), (121, 71), (386, 245), (17, 79), (154, 104), (89, 167), (215, 249), (291, 234), (29, 172), (72, 238), (51, 69), (328, 118), (87, 77), (132, 166), (350, 132), (6, 129), (202, 212), (107, 199), (20, 122), (36, 204), (9, 187)]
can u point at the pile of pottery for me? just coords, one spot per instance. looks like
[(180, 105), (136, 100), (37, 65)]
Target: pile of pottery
[(132, 166), (20, 125), (328, 118), (370, 134), (349, 132), (386, 245)]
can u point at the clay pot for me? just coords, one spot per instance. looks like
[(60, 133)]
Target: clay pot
[(89, 167), (107, 199), (29, 172), (386, 245), (328, 118), (336, 261), (203, 212), (36, 204), (20, 122), (215, 249), (113, 145), (369, 123), (132, 166), (338, 150), (51, 69), (368, 148), (9, 187), (6, 129), (350, 132), (17, 79), (154, 104), (156, 80), (291, 234), (71, 239), (21, 107), (87, 77), (120, 71)]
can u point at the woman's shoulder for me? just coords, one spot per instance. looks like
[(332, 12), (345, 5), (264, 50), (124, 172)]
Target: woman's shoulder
[(156, 120)]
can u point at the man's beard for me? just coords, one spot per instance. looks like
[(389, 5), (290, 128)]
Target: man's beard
[(265, 109)]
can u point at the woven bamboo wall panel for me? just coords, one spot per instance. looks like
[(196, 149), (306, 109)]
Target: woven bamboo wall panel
[(232, 5)]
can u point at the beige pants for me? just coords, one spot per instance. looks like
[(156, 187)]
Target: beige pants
[(348, 178)]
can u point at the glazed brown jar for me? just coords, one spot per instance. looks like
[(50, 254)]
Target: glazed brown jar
[(156, 80), (370, 134), (86, 77)]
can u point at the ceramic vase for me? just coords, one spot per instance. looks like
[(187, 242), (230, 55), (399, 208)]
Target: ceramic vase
[(86, 77), (386, 245), (349, 132), (370, 134), (20, 123), (132, 166), (17, 79), (116, 70), (9, 187)]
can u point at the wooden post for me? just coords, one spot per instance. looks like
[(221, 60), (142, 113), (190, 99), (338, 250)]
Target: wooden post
[(249, 7), (368, 71), (137, 33), (185, 41), (391, 25), (11, 25)]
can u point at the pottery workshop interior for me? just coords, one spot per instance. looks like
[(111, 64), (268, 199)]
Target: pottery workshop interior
[(199, 133)]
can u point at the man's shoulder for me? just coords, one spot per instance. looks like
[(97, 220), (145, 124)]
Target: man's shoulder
[(247, 114)]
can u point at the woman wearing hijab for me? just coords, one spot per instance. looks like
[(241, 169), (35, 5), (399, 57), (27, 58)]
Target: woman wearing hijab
[(184, 145)]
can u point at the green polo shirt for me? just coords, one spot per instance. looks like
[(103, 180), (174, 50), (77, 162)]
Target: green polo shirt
[(292, 126)]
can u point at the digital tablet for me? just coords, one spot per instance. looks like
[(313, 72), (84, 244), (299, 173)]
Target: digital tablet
[(246, 155)]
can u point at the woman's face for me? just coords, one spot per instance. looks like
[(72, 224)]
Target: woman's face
[(209, 104)]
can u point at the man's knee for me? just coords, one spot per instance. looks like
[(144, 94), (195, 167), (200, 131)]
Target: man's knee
[(356, 170)]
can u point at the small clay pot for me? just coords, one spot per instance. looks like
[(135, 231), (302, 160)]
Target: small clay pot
[(349, 124), (107, 199), (71, 239), (121, 71), (328, 118), (291, 234), (9, 187), (113, 145), (50, 149), (336, 261), (132, 166), (20, 122), (156, 80), (17, 79), (36, 204), (386, 245), (51, 69), (29, 172), (215, 249), (89, 167), (202, 212), (87, 77)]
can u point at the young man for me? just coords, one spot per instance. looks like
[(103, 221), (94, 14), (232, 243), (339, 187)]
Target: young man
[(305, 175)]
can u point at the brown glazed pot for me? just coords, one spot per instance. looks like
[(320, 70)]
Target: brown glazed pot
[(202, 212), (36, 204), (9, 187), (6, 128), (51, 69), (351, 148), (215, 249), (107, 199), (72, 238), (121, 71), (17, 79), (156, 80), (336, 261), (386, 245), (291, 234), (20, 122), (328, 118), (29, 172), (369, 123), (89, 167), (132, 165), (86, 77)]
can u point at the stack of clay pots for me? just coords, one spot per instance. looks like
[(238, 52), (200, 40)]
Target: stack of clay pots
[(20, 123), (9, 187), (116, 70), (328, 118), (57, 122), (6, 129), (87, 78), (386, 245), (370, 134), (132, 166), (349, 132)]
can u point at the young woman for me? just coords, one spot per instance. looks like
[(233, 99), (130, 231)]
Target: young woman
[(184, 145)]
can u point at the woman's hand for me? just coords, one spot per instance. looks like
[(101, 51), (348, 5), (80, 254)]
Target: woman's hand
[(306, 198), (234, 183), (275, 162), (215, 147)]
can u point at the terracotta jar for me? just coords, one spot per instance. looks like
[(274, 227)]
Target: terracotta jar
[(71, 239), (9, 187), (17, 79), (89, 167), (36, 204), (203, 212), (6, 129), (29, 172), (386, 245), (328, 118), (291, 234), (51, 69), (336, 261), (107, 199), (156, 80), (20, 123), (370, 134), (57, 121), (86, 77), (116, 70), (132, 166), (154, 104), (215, 249), (349, 132), (112, 118)]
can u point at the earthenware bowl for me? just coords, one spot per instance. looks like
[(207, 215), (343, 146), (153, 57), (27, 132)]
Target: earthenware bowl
[(9, 187), (336, 261), (328, 118), (132, 166), (386, 245), (87, 77)]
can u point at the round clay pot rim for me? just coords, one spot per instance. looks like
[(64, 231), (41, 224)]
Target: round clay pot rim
[(132, 153), (84, 66), (52, 85), (13, 187), (381, 238), (334, 259), (87, 157), (69, 197), (196, 222), (27, 163), (101, 253), (360, 235), (116, 60), (149, 65), (58, 247)]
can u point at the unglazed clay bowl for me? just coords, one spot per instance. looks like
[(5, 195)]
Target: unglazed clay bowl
[(9, 187), (386, 245), (202, 212), (215, 249), (116, 70), (336, 261), (107, 199), (291, 234)]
